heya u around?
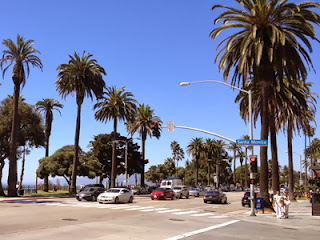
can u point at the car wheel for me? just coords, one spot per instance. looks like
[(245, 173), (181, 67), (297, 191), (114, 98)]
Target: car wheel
[(100, 202), (187, 197), (243, 204), (205, 201), (226, 201), (172, 197), (94, 198), (198, 195), (116, 200), (79, 200), (130, 200)]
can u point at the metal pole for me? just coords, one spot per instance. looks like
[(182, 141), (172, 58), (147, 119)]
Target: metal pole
[(300, 172), (251, 151)]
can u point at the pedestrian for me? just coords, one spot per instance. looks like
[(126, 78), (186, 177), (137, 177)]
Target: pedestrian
[(317, 191), (286, 204), (277, 206), (311, 196)]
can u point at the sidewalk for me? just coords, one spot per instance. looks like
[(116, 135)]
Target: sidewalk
[(300, 217)]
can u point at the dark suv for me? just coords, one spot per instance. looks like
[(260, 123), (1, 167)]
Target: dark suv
[(246, 199)]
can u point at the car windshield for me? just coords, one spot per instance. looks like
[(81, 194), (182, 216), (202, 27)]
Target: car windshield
[(176, 188), (160, 190), (112, 190), (89, 189)]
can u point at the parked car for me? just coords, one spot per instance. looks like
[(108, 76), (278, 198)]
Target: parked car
[(116, 195), (215, 196), (91, 185), (152, 188), (246, 198), (89, 193), (181, 191), (197, 192), (139, 190), (162, 193)]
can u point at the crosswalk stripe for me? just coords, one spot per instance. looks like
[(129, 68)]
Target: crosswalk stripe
[(153, 209), (138, 208), (124, 207), (170, 210), (202, 214), (222, 216), (182, 213)]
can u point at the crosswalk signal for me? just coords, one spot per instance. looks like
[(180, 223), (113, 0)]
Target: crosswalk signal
[(253, 163)]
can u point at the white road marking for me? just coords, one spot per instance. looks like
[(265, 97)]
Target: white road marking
[(153, 209), (170, 210), (182, 213), (202, 230), (137, 208), (221, 216), (124, 207), (202, 214)]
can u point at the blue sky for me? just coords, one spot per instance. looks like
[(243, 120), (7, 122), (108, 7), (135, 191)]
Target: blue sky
[(147, 46)]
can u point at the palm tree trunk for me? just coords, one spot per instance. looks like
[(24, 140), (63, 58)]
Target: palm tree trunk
[(1, 168), (12, 178), (305, 160), (76, 153), (22, 167), (197, 170), (143, 155), (311, 159), (290, 161), (218, 170), (46, 178), (241, 183), (274, 154), (265, 78), (113, 163)]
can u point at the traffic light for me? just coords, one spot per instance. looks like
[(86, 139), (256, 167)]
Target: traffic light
[(155, 129), (253, 181), (253, 163)]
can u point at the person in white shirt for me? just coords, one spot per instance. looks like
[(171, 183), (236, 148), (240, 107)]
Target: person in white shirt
[(276, 200)]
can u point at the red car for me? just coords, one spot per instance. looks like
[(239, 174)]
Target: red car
[(162, 193)]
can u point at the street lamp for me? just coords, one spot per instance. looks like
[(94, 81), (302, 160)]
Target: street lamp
[(300, 177), (125, 160), (249, 92)]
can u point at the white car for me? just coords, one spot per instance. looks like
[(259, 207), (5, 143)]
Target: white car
[(116, 195)]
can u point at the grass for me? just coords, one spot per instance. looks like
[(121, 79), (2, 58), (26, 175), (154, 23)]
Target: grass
[(40, 193)]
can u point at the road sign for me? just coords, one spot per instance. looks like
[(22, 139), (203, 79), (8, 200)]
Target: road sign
[(170, 126), (252, 142)]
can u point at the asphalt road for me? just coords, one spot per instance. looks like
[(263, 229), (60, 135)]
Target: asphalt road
[(143, 219)]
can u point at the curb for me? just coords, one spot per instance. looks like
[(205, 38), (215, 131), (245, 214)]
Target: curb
[(32, 198)]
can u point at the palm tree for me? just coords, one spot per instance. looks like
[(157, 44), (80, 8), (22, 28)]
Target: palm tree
[(310, 132), (298, 109), (47, 106), (82, 75), (169, 163), (142, 123), (233, 147), (195, 148), (209, 148), (117, 105), (177, 152), (219, 147), (265, 45), (241, 155), (21, 56)]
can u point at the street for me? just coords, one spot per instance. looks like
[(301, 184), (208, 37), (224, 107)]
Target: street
[(64, 218)]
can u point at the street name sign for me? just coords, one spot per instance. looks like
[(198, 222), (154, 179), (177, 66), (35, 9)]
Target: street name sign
[(252, 142)]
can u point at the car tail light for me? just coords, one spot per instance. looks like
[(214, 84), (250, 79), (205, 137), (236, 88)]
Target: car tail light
[(217, 196)]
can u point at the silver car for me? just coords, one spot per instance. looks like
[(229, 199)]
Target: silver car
[(181, 191)]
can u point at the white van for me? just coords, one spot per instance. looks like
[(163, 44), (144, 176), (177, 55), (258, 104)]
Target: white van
[(171, 182)]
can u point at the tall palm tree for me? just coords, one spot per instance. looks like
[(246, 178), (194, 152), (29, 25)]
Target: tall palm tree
[(142, 123), (82, 75), (195, 148), (298, 109), (219, 147), (241, 155), (119, 105), (310, 133), (47, 106), (21, 55), (233, 147), (177, 153), (209, 148), (266, 43), (171, 167)]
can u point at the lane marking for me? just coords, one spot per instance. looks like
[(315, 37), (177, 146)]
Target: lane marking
[(138, 208), (220, 216), (153, 209), (202, 214), (182, 213), (202, 230), (168, 211)]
